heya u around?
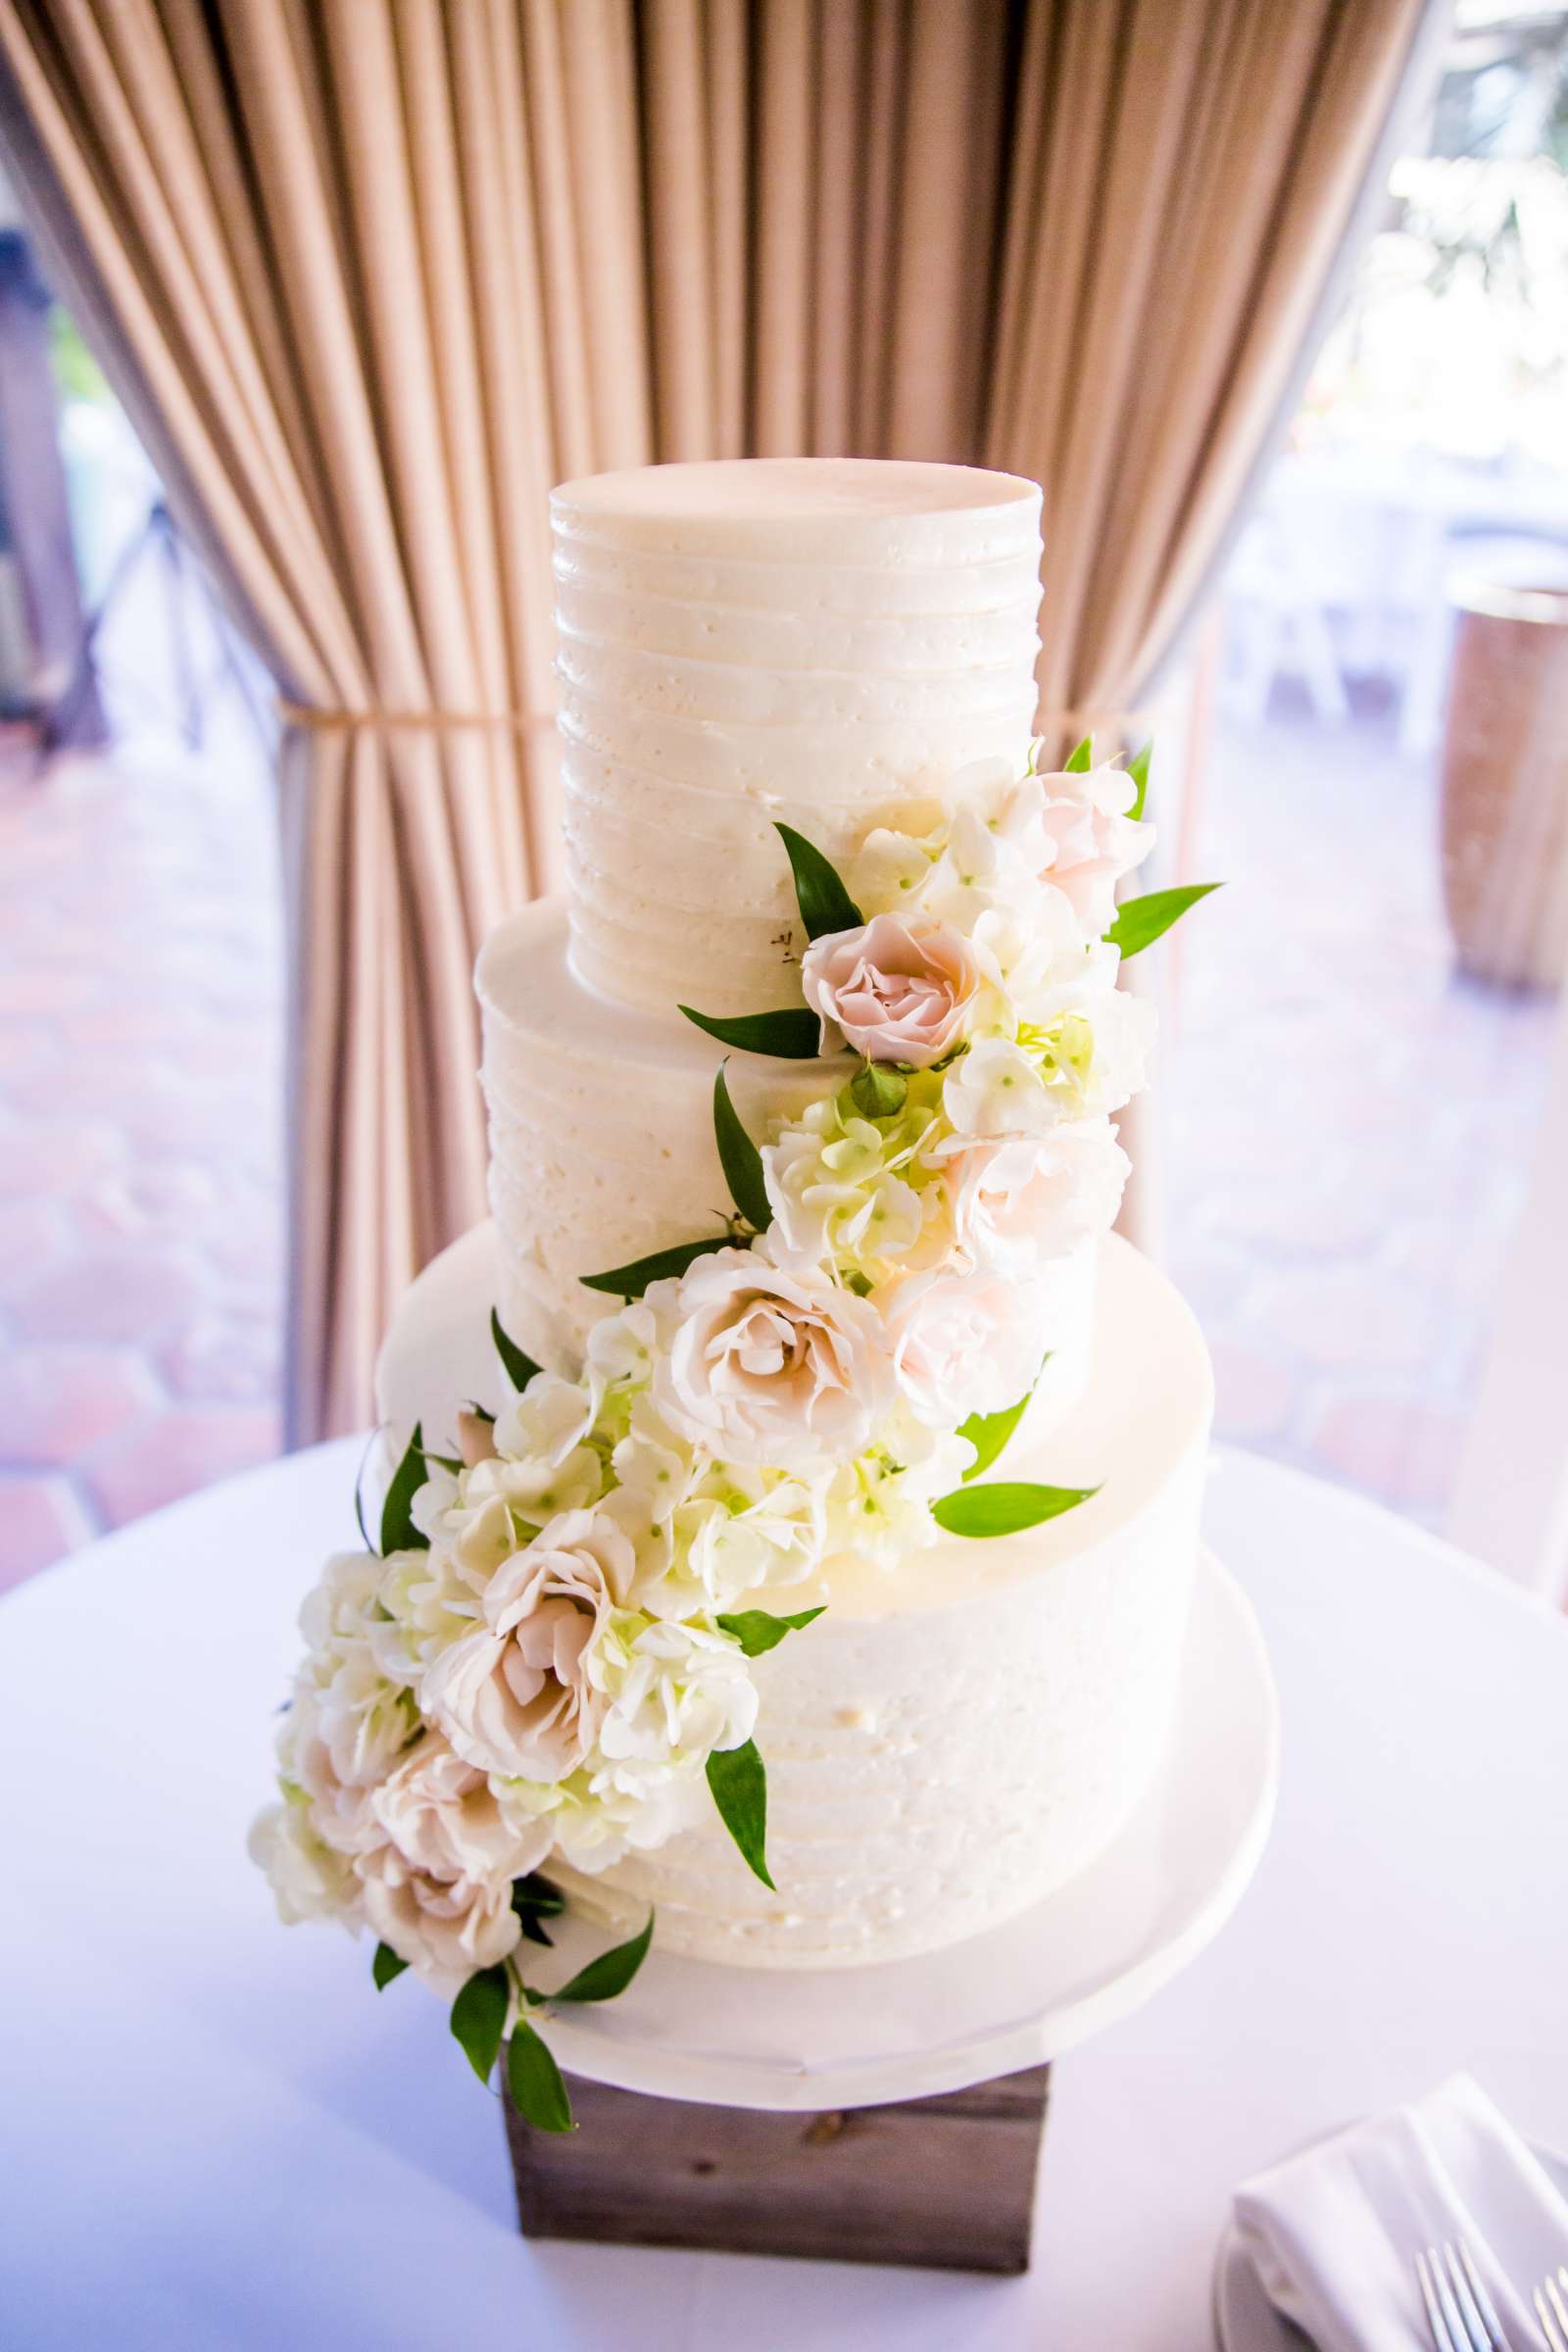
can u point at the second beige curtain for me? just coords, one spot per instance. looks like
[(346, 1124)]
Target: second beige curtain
[(372, 274)]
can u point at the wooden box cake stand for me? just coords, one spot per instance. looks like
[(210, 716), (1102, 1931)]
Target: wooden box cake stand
[(947, 2182), (895, 2114)]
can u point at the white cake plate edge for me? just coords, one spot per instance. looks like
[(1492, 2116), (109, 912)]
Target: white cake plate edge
[(604, 2048)]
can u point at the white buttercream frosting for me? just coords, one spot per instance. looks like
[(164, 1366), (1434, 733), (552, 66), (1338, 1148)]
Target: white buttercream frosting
[(818, 641), (959, 1735)]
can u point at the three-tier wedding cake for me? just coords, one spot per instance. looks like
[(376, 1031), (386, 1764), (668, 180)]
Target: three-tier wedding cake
[(808, 1553)]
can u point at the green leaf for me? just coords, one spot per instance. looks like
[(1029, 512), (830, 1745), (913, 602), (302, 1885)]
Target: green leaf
[(359, 1509), (757, 1631), (878, 1091), (820, 893), (386, 1965), (536, 1892), (610, 1973), (533, 2079), (1081, 758), (479, 2019), (793, 1034), (1002, 1510), (1138, 769), (988, 1433), (398, 1531), (1140, 921), (444, 1461), (520, 1369), (739, 1157), (738, 1778), (535, 1898), (630, 1282)]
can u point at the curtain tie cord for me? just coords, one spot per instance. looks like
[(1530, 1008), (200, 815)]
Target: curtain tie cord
[(328, 721)]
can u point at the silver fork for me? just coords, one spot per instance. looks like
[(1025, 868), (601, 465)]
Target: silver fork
[(1550, 2300), (1460, 2310)]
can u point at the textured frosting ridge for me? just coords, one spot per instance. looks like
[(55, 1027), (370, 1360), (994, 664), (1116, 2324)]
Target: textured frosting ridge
[(818, 641)]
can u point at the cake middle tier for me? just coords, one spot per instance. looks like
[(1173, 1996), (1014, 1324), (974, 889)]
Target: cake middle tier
[(820, 642), (602, 1147)]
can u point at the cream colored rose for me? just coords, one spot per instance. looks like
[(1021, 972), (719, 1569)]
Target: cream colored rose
[(443, 1820), (964, 1343), (515, 1696), (444, 1928), (772, 1366), (1018, 1200), (895, 991)]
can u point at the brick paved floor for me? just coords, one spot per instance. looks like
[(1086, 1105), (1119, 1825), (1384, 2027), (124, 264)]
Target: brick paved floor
[(140, 1223), (1348, 1128), (1349, 1123)]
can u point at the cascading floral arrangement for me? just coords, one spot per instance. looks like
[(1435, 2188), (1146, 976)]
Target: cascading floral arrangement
[(547, 1652)]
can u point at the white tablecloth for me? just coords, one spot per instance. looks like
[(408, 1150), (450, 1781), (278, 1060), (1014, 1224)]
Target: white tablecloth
[(212, 2132)]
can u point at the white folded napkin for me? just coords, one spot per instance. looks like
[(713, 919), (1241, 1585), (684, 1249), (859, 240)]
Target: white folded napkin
[(1334, 2234)]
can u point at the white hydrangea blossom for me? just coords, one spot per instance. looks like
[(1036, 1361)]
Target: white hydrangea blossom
[(424, 1601), (674, 1690), (847, 1190), (362, 1717), (600, 1813), (879, 1505)]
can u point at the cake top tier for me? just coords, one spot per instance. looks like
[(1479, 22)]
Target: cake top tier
[(822, 642), (857, 511)]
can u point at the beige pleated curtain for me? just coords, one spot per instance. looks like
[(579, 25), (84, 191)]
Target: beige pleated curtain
[(370, 275)]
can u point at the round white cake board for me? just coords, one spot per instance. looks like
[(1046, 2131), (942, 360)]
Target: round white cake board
[(1013, 1997)]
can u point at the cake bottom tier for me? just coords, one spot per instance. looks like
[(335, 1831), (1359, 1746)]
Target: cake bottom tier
[(956, 1737)]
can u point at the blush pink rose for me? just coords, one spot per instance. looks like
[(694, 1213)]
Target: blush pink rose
[(443, 1928), (898, 992), (441, 1816), (1085, 839), (439, 1888), (1018, 1200), (964, 1343)]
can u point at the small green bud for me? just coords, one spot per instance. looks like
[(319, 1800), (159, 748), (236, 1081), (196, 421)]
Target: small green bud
[(878, 1091)]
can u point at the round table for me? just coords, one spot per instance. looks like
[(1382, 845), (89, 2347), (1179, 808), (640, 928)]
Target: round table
[(213, 2133)]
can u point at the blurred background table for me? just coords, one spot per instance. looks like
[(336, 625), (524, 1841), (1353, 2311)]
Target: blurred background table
[(212, 2132)]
